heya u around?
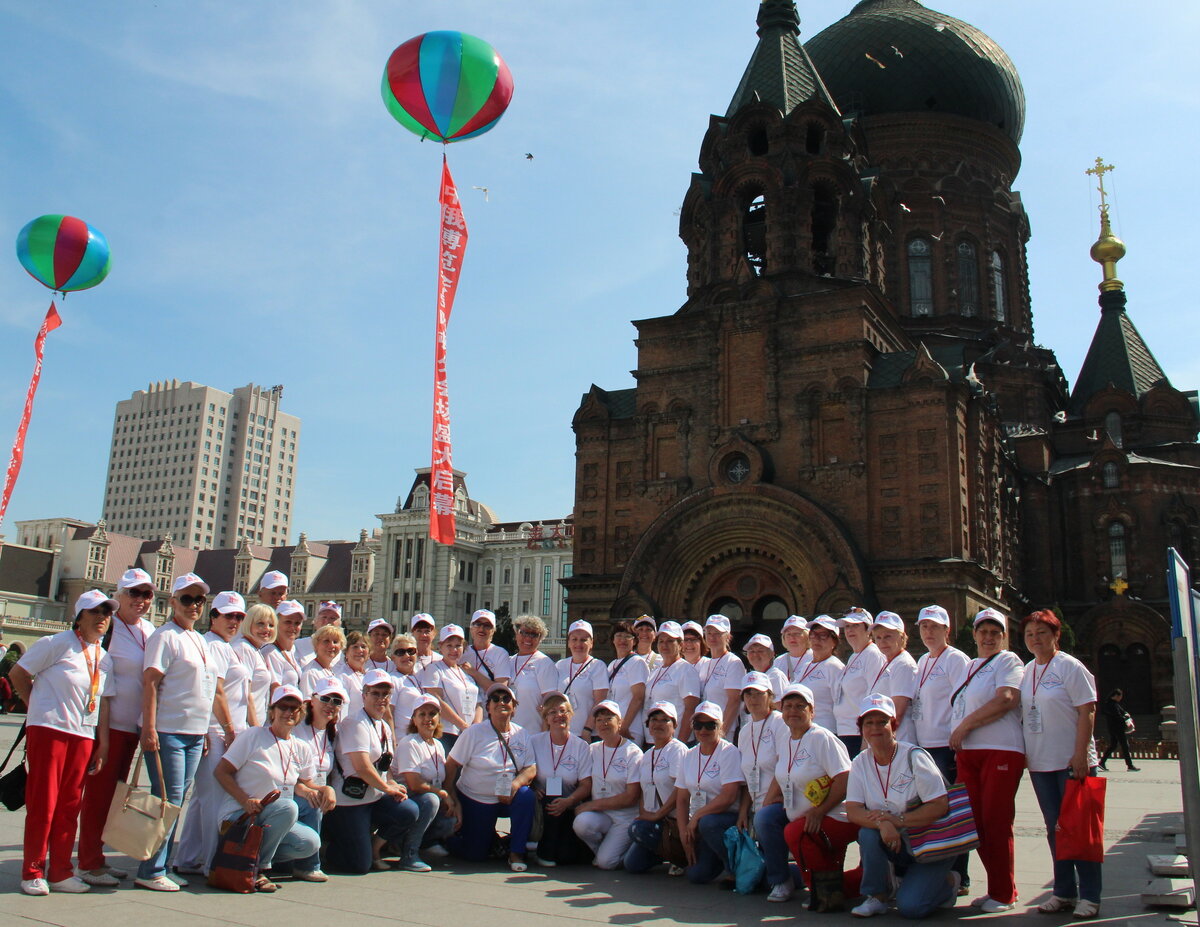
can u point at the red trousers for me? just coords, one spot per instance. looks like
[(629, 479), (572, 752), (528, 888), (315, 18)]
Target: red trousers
[(97, 797), (824, 851), (992, 778), (57, 765)]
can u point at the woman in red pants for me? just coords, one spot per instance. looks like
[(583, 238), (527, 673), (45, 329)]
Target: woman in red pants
[(63, 679), (986, 734)]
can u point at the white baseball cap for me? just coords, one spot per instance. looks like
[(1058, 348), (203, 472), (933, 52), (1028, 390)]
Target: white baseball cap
[(876, 702), (720, 622), (331, 686), (450, 630), (888, 620), (423, 700), (856, 615), (273, 579), (289, 607), (667, 708), (286, 691), (380, 623), (484, 614), (228, 603), (934, 613), (671, 629), (759, 639), (826, 622), (795, 621), (330, 607), (798, 688), (581, 625), (692, 626), (646, 619), (710, 710), (607, 705), (134, 577), (93, 598), (422, 618), (188, 579), (378, 677), (756, 680), (990, 614)]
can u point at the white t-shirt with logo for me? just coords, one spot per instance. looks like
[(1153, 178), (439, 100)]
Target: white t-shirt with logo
[(127, 648), (352, 679), (720, 675), (1004, 733), (285, 666), (613, 770), (426, 759), (933, 684), (313, 673), (185, 694), (492, 662), (758, 742), (220, 655), (322, 750), (405, 693), (818, 753), (1049, 715), (896, 679), (62, 683), (581, 682), (361, 734), (569, 762), (672, 684), (792, 667), (260, 674), (710, 773), (480, 752), (620, 684), (658, 773), (861, 671), (822, 677), (531, 677), (264, 763), (457, 688), (912, 774)]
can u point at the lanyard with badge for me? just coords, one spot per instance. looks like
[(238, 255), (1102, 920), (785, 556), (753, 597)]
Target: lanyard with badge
[(698, 799), (882, 671), (812, 666), (286, 789), (435, 781), (960, 707), (885, 786), (504, 778), (469, 693), (603, 790), (554, 782), (322, 747), (654, 754), (789, 787), (1033, 719), (754, 779), (208, 688), (93, 666), (930, 665), (574, 697)]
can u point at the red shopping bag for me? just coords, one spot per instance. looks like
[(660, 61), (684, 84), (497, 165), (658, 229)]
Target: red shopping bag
[(1079, 834)]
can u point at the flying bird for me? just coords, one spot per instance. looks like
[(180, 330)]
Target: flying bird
[(528, 156), (905, 208), (899, 54), (940, 199), (871, 57), (938, 237), (485, 193)]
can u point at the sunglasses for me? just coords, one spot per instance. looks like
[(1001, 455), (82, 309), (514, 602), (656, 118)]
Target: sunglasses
[(105, 610), (189, 600), (405, 652), (234, 616), (704, 725), (502, 697), (140, 593), (335, 700), (526, 632)]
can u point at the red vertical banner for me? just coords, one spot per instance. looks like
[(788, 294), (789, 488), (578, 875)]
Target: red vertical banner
[(451, 248), (51, 322)]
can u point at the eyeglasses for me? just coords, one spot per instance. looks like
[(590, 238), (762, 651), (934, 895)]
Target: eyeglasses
[(405, 652), (105, 610), (502, 697), (235, 616), (660, 719), (290, 707), (335, 700), (529, 632), (140, 593), (378, 693), (704, 725), (189, 600)]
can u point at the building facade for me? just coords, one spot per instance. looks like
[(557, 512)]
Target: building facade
[(850, 407), (206, 467)]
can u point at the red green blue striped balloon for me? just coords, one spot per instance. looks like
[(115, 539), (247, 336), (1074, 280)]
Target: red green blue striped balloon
[(446, 86), (63, 253)]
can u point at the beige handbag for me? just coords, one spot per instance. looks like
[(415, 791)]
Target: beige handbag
[(138, 822)]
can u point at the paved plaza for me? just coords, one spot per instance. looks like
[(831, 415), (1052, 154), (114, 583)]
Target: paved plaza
[(1144, 810)]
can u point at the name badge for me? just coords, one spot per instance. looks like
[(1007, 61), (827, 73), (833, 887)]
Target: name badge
[(1033, 720), (960, 709), (91, 718), (697, 801), (554, 786), (914, 709), (789, 794), (320, 778), (504, 781), (287, 792), (435, 783), (208, 685), (601, 789), (468, 704), (754, 779)]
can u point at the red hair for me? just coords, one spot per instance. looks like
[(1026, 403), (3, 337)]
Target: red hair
[(1046, 617)]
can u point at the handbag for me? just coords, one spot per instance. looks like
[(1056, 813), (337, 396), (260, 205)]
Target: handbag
[(1130, 727), (745, 860), (950, 835), (235, 864), (670, 841), (1079, 834), (138, 822), (12, 783)]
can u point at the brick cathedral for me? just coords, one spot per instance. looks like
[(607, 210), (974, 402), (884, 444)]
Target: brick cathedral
[(850, 407)]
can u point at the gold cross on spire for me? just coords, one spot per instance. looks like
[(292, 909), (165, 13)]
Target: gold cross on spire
[(1099, 171), (1108, 249), (1119, 585)]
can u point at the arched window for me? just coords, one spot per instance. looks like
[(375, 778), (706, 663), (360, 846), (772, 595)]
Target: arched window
[(968, 279), (814, 137), (920, 277), (1112, 476), (999, 297), (757, 141), (1116, 550), (754, 234), (1112, 424), (824, 221)]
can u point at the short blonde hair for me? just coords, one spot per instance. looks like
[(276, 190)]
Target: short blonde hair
[(327, 632), (406, 639), (257, 613), (551, 701), (530, 621)]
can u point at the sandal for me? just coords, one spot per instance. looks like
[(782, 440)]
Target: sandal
[(263, 884), (1056, 905), (1086, 911), (518, 865)]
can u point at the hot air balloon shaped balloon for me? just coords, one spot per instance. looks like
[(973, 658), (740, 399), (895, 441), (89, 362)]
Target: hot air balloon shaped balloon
[(63, 253), (447, 86)]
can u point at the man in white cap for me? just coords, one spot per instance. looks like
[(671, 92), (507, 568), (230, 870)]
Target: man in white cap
[(273, 588), (327, 613), (424, 629), (484, 661)]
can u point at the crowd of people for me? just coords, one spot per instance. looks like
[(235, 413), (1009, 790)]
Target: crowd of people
[(390, 751)]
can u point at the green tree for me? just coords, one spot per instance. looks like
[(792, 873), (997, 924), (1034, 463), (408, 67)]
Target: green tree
[(505, 636)]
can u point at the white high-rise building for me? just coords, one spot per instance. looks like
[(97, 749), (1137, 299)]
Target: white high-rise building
[(206, 467)]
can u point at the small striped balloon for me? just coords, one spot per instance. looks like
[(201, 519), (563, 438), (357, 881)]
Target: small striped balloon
[(446, 86), (63, 253)]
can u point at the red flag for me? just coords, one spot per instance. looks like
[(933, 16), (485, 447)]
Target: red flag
[(51, 322), (451, 248)]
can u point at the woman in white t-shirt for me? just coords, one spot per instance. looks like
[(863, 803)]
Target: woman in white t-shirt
[(446, 681), (692, 649), (894, 786), (803, 809), (66, 682), (282, 659), (758, 742), (721, 677), (353, 669), (627, 676), (822, 672), (674, 680), (328, 642), (531, 674), (258, 630), (564, 780), (760, 656), (403, 651), (896, 678), (581, 677), (706, 795), (319, 731), (490, 771), (863, 666), (603, 821), (646, 630), (373, 816), (420, 763), (986, 716), (794, 638), (266, 759), (658, 772), (1058, 708)]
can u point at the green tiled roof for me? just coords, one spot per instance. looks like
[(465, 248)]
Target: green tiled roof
[(1118, 356), (780, 72)]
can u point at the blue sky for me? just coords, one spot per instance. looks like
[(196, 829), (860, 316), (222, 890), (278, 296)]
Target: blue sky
[(270, 222)]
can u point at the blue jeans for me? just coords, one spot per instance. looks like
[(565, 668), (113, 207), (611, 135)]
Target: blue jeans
[(1073, 878), (310, 817), (180, 755), (710, 847), (769, 824), (642, 855), (426, 807), (347, 830), (284, 837), (924, 888), (474, 839)]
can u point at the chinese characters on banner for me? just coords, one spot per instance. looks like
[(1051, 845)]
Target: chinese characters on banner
[(452, 247), (51, 322)]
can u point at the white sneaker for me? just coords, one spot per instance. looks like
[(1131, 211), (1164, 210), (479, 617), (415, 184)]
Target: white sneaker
[(102, 878), (992, 906), (157, 884), (870, 907), (782, 892), (35, 887), (72, 885)]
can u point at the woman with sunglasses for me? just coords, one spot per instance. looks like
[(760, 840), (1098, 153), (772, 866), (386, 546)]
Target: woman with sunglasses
[(126, 646), (420, 763), (627, 676), (603, 821), (353, 669), (408, 689), (489, 772), (258, 630), (267, 759), (794, 638), (564, 780), (372, 813), (319, 731), (180, 683), (66, 682), (581, 677), (532, 675), (822, 672), (706, 795), (675, 680), (327, 643), (658, 772), (450, 684)]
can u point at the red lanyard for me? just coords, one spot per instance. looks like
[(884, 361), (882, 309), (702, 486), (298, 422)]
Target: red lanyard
[(321, 749), (812, 666), (699, 772), (792, 754), (884, 670), (195, 639), (94, 670), (976, 672), (1038, 679), (383, 666), (575, 675), (139, 638), (892, 762), (437, 761), (659, 675), (561, 753), (762, 730), (792, 669), (930, 666), (528, 660), (285, 764)]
